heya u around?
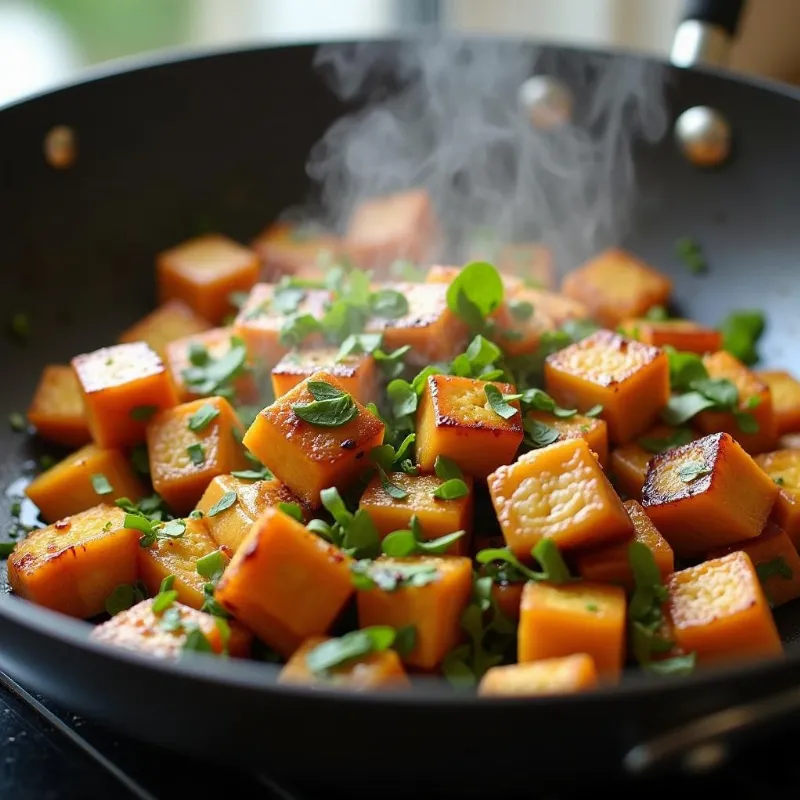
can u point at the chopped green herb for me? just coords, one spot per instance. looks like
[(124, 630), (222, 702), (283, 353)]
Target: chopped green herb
[(688, 251), (392, 489), (202, 417), (287, 298), (388, 304), (537, 400), (594, 411), (140, 460), (593, 607), (17, 422), (355, 533), (780, 481), (656, 314), (521, 310), (677, 665), (391, 364), (358, 344), (292, 510), (238, 299), (171, 620), (164, 599), (100, 484), (692, 470), (451, 489), (197, 642), (216, 375), (197, 454), (499, 402), (224, 503), (653, 444), (741, 331), (447, 469), (211, 566), (475, 293), (142, 413), (47, 461), (331, 407), (351, 646), (6, 549), (405, 640), (367, 574), (198, 354), (775, 568), (253, 474), (196, 514), (402, 543), (537, 434), (125, 596)]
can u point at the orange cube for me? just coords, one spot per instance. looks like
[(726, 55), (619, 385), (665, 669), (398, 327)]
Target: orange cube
[(289, 249), (174, 320), (508, 597), (616, 285), (431, 329), (140, 629), (433, 603), (783, 467), (719, 611), (456, 420), (785, 391), (358, 374), (437, 517), (629, 379), (189, 445), (531, 261), (575, 673), (570, 618), (285, 583), (592, 429), (610, 564), (75, 564), (755, 399), (558, 492), (557, 307), (307, 457), (204, 272), (382, 670), (776, 560), (519, 325), (122, 387), (682, 334), (56, 410), (706, 494), (83, 479)]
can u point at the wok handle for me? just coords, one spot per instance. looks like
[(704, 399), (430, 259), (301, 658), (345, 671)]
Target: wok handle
[(705, 33)]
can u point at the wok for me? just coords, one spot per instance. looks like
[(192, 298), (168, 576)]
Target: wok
[(224, 137)]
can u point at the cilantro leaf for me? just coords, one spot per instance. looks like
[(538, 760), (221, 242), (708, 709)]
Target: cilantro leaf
[(499, 402)]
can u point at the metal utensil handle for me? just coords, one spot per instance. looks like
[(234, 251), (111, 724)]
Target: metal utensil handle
[(705, 32)]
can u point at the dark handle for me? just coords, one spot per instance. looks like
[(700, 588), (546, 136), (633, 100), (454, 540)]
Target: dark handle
[(705, 32), (723, 13)]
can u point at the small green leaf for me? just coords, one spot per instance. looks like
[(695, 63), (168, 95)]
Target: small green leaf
[(101, 485), (594, 411), (331, 407), (405, 640), (654, 444), (224, 503), (198, 354), (358, 344), (741, 331), (297, 328), (351, 646), (451, 489), (253, 474), (480, 354), (656, 314), (477, 288), (780, 481), (681, 408), (546, 552), (367, 575), (321, 391), (6, 549), (447, 469), (292, 510), (167, 584), (391, 364), (197, 454), (125, 596), (197, 642), (163, 600), (402, 397), (688, 251), (691, 470), (678, 665), (777, 567), (388, 304), (521, 310), (211, 566), (392, 489), (498, 403), (537, 434), (142, 413), (171, 620), (399, 544), (287, 298), (332, 501), (202, 417), (746, 423), (440, 545)]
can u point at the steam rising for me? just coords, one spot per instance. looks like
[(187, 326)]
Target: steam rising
[(455, 128)]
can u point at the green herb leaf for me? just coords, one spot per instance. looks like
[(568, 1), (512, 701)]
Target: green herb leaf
[(691, 470), (331, 407), (215, 376), (262, 474), (537, 400), (287, 298), (746, 423), (678, 665), (451, 489), (689, 252), (399, 544), (681, 408), (125, 596), (402, 397), (203, 417), (684, 369), (197, 454), (297, 328), (167, 584), (741, 331), (358, 344), (481, 354), (440, 545), (142, 413), (198, 354), (405, 640), (493, 554), (171, 620), (351, 646), (498, 402), (388, 304), (653, 444), (777, 567), (657, 314), (332, 501), (163, 600), (554, 568), (224, 503), (211, 566), (594, 411), (238, 299), (101, 485), (475, 293), (392, 489), (139, 459), (367, 575), (292, 510), (6, 549), (321, 391), (391, 364), (197, 642), (521, 310), (537, 434), (447, 469)]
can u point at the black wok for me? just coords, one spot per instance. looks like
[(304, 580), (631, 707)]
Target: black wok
[(225, 137)]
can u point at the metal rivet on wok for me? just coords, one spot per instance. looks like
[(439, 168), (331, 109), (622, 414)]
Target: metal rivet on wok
[(704, 136), (546, 101), (60, 147)]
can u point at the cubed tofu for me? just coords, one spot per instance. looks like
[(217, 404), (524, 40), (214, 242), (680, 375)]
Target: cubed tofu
[(558, 492), (382, 670), (566, 675), (309, 458), (189, 445), (610, 563), (140, 629), (204, 272), (122, 387), (430, 328), (358, 374), (437, 517), (682, 334), (616, 285), (171, 321), (719, 611), (83, 479), (592, 429), (284, 583), (530, 261), (75, 564), (629, 379), (396, 226), (229, 527), (434, 609), (785, 391), (56, 410), (217, 344), (259, 322), (456, 420), (755, 399), (558, 620), (783, 468), (776, 560), (508, 596), (706, 494), (287, 248), (178, 557)]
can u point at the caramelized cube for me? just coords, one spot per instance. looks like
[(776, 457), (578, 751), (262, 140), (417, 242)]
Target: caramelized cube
[(785, 391), (289, 249), (558, 492), (706, 494), (556, 307), (682, 334), (531, 261), (56, 410), (574, 673), (629, 379), (204, 272), (519, 330), (783, 467), (592, 429), (171, 321), (718, 611)]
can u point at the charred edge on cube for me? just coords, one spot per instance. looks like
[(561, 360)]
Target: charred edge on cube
[(348, 444)]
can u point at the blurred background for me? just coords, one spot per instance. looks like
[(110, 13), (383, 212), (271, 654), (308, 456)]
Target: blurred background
[(44, 42)]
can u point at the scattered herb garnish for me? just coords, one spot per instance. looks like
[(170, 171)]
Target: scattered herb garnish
[(125, 596), (546, 552), (741, 331), (202, 417), (447, 469), (152, 531), (354, 533), (211, 566), (6, 549), (142, 413), (354, 645), (537, 400), (224, 503), (166, 595), (780, 481), (777, 567), (100, 484), (197, 454), (215, 376), (501, 403), (331, 407), (292, 510), (475, 293), (253, 474), (521, 310), (653, 444), (689, 252), (451, 489), (656, 314), (691, 470), (392, 489), (402, 543), (389, 304), (367, 574), (537, 434)]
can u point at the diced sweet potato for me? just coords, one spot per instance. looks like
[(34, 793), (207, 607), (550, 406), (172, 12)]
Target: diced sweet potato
[(706, 494), (785, 391), (189, 445), (682, 334), (519, 330), (574, 673), (755, 399), (430, 327), (456, 420), (56, 410), (75, 564), (171, 321), (382, 670), (556, 307), (629, 379), (776, 561), (783, 467), (229, 526), (616, 285), (306, 457), (204, 272), (141, 629), (285, 583), (565, 619), (437, 517), (178, 557), (592, 429), (558, 492), (434, 609), (719, 611), (83, 479), (530, 261), (508, 597), (358, 374), (610, 564), (122, 387), (288, 249)]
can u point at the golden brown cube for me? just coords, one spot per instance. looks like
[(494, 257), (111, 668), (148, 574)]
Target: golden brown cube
[(171, 321), (289, 249), (785, 390), (593, 429), (783, 467), (682, 334), (575, 673), (56, 410)]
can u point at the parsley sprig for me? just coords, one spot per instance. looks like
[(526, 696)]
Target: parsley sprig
[(354, 533)]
